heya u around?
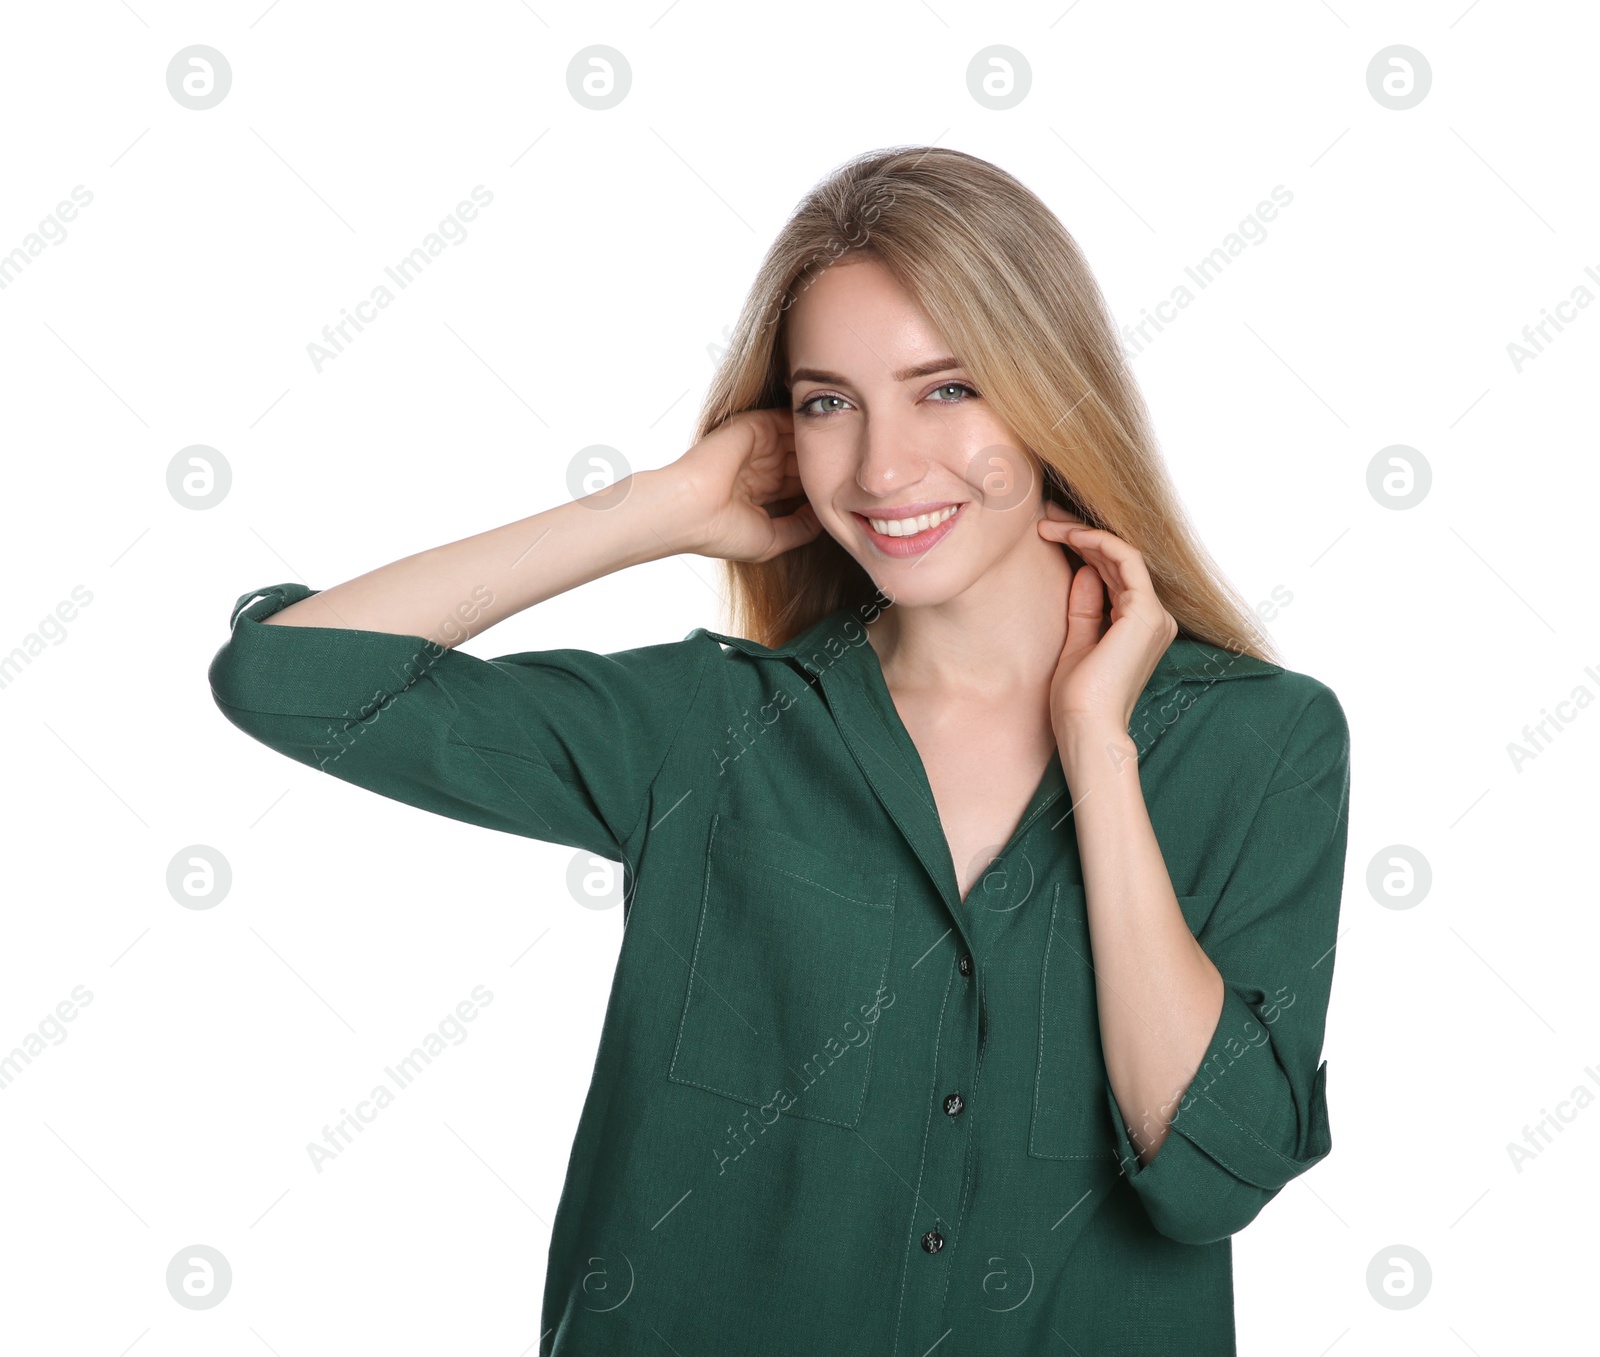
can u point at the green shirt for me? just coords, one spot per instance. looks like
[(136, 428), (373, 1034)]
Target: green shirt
[(835, 1108)]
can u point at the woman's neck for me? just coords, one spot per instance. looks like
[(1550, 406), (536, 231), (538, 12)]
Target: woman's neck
[(1002, 635)]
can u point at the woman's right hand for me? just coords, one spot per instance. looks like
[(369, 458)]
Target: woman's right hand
[(728, 478)]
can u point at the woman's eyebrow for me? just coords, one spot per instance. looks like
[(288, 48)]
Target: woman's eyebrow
[(904, 375)]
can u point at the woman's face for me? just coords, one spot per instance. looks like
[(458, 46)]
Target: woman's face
[(905, 463)]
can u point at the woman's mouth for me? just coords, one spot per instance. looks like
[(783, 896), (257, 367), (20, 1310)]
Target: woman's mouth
[(901, 534)]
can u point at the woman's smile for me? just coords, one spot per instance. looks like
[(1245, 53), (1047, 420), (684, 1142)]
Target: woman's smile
[(897, 533)]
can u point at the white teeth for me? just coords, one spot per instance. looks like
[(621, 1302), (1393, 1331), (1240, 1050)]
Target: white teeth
[(906, 527)]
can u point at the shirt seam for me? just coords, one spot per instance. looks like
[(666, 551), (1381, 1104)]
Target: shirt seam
[(1299, 720), (1247, 1135), (922, 1166), (1255, 814), (650, 786)]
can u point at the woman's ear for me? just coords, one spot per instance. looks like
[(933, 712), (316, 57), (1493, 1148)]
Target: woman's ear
[(1055, 513), (1056, 489), (1056, 492)]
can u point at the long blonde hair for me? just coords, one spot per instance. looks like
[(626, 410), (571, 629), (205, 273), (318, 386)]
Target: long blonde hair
[(1008, 288)]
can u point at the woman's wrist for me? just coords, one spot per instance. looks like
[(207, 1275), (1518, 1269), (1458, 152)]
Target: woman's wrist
[(669, 511), (1092, 745)]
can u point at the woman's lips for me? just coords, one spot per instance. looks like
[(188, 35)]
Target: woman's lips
[(915, 544)]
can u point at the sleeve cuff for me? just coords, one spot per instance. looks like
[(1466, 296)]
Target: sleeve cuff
[(1238, 1135), (322, 671)]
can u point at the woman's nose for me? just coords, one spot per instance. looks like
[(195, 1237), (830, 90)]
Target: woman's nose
[(890, 457)]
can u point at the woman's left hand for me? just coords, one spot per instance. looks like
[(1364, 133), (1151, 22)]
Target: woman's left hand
[(1104, 664)]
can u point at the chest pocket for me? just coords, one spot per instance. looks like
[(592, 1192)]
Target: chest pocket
[(787, 979)]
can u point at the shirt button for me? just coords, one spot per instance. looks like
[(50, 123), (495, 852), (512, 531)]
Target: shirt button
[(933, 1241), (965, 964), (953, 1105)]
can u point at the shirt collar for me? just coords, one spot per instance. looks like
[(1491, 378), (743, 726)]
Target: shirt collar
[(1185, 660), (832, 654)]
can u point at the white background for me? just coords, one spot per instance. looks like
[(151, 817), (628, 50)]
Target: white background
[(579, 310)]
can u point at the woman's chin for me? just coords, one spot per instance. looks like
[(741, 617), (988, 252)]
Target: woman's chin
[(919, 583)]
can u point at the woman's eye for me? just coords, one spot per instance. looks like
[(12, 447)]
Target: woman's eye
[(804, 406)]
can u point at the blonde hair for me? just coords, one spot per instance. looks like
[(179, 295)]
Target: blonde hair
[(1010, 291)]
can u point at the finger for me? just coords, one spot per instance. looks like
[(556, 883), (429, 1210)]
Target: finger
[(772, 434), (1119, 564), (772, 452), (1053, 531), (1133, 590), (775, 431), (1107, 570), (793, 530), (1124, 555), (1130, 565), (780, 413), (767, 419), (1057, 529), (1086, 602)]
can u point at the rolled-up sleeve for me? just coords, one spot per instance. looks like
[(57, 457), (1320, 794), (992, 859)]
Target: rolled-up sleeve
[(558, 745), (1255, 1114)]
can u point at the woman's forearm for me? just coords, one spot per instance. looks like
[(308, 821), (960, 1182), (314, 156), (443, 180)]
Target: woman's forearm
[(450, 592), (1158, 995)]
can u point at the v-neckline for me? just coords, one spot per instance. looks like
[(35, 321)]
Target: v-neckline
[(1052, 782)]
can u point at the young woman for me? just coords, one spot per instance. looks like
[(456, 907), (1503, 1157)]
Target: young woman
[(982, 884)]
